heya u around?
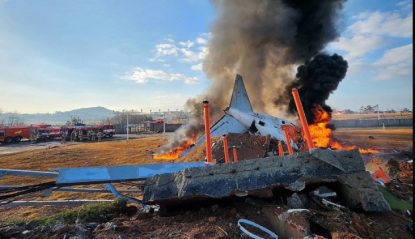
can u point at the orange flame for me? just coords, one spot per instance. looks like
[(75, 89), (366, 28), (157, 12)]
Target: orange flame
[(322, 134), (175, 153)]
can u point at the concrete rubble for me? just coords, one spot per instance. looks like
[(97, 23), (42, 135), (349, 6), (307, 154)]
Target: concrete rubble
[(265, 176), (295, 201)]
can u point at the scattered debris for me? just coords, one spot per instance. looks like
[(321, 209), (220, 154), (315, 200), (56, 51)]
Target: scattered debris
[(217, 218), (288, 224), (297, 210), (247, 146), (296, 186), (324, 192), (359, 190), (258, 227), (294, 201), (331, 204), (380, 174), (344, 235)]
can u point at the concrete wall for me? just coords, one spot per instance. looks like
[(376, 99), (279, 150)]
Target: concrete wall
[(372, 123), (159, 127)]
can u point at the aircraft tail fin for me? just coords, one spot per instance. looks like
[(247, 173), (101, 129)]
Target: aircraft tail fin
[(240, 99)]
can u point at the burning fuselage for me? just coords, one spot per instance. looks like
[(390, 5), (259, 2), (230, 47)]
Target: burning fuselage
[(239, 118)]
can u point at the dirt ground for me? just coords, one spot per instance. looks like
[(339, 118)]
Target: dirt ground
[(135, 151), (26, 145), (398, 115), (193, 223), (388, 139)]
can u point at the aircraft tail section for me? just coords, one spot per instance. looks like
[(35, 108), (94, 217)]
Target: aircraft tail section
[(240, 99)]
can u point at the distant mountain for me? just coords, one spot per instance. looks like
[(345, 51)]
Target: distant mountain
[(88, 115)]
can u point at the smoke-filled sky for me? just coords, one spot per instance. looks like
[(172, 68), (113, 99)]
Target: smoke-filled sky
[(61, 55)]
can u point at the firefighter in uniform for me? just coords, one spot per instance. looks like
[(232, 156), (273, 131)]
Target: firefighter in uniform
[(94, 135), (64, 133), (73, 135), (100, 135), (89, 135)]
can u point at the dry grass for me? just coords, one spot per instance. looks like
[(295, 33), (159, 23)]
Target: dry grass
[(339, 116), (82, 155), (137, 152), (389, 138)]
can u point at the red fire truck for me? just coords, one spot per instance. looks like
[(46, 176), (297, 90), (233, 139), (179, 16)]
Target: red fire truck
[(108, 130), (44, 132), (85, 132), (54, 132), (14, 134)]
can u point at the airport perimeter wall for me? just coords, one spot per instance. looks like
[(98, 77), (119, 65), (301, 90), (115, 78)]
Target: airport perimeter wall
[(361, 123)]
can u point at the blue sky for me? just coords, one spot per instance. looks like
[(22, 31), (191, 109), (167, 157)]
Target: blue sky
[(62, 55)]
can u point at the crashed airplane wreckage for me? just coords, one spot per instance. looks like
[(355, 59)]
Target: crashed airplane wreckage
[(179, 183)]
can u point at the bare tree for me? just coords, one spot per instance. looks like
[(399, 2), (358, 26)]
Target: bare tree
[(1, 118), (14, 120), (75, 120), (348, 111), (120, 119)]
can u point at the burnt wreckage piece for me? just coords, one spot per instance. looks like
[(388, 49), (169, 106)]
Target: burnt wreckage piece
[(265, 175)]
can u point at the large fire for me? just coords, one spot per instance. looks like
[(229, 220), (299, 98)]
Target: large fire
[(175, 153), (322, 134)]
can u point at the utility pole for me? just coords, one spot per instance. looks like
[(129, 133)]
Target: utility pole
[(127, 127), (378, 115), (164, 123)]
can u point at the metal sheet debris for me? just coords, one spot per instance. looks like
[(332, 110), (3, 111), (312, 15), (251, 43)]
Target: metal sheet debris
[(29, 173), (68, 176)]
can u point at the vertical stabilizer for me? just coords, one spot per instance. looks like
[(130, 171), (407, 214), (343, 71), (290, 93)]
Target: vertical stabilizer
[(240, 99)]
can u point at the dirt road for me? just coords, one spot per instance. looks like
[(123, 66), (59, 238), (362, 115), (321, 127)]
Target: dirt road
[(26, 145)]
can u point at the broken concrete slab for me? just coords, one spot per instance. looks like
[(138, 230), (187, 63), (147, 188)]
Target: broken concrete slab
[(294, 201), (267, 174), (223, 180), (336, 159), (296, 186), (359, 190)]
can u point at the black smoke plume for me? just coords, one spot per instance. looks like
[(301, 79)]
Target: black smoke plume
[(316, 80), (262, 40)]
